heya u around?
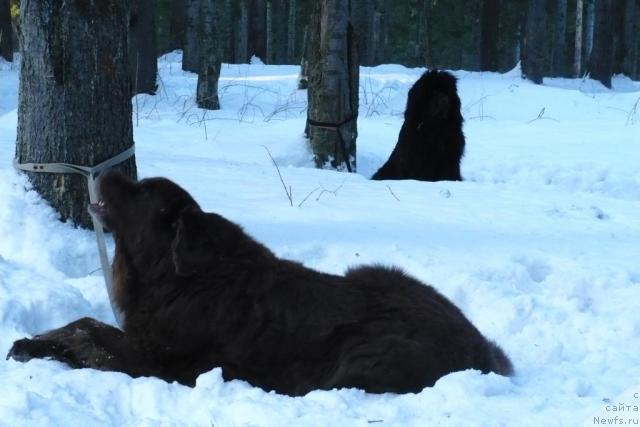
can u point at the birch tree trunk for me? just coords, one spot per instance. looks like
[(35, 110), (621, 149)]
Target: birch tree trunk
[(333, 85), (533, 55), (577, 53), (143, 47), (6, 36), (207, 90), (75, 95), (587, 30)]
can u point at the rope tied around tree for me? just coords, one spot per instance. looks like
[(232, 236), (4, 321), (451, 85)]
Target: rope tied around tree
[(336, 128), (91, 173)]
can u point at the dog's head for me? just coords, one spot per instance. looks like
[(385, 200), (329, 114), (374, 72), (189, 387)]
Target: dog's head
[(433, 99), (143, 216)]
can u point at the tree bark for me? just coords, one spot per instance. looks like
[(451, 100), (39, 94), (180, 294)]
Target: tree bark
[(577, 52), (489, 35), (601, 60), (558, 59), (258, 29), (75, 95), (589, 23), (333, 85), (191, 48), (428, 54), (207, 91), (6, 34), (269, 56), (533, 55), (291, 32), (631, 21), (143, 47), (242, 48)]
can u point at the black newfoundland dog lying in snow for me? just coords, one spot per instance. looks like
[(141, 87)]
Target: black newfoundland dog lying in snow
[(431, 142), (198, 293)]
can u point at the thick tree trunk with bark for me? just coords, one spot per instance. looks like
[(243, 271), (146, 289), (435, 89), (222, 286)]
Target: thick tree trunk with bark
[(143, 47), (577, 52), (533, 55), (558, 59), (191, 48), (207, 91), (489, 35), (75, 95), (333, 85), (601, 60), (6, 34)]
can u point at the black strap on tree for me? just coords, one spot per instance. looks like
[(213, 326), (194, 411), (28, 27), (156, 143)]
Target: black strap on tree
[(90, 173), (336, 128)]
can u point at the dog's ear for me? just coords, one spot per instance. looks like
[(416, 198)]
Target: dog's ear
[(186, 247)]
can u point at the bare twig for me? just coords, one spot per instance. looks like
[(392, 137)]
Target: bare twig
[(286, 190), (540, 117), (334, 192), (308, 195), (392, 193)]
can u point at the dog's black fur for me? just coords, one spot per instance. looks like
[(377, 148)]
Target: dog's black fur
[(431, 143), (197, 293)]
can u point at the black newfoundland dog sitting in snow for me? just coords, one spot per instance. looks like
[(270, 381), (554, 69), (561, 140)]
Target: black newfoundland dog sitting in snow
[(431, 142), (198, 293)]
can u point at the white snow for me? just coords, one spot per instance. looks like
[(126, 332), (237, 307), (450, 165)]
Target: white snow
[(539, 246)]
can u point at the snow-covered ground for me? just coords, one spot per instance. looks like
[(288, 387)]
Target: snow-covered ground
[(539, 246)]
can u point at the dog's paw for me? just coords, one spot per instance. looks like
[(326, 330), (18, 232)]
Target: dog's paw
[(26, 349)]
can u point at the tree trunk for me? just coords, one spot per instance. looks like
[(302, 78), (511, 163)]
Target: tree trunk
[(631, 20), (191, 48), (291, 32), (6, 37), (558, 59), (143, 47), (207, 91), (489, 35), (269, 56), (75, 95), (377, 33), (533, 55), (623, 34), (577, 52), (224, 20), (258, 29), (426, 37), (601, 60), (303, 78), (589, 24), (242, 48), (333, 85)]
